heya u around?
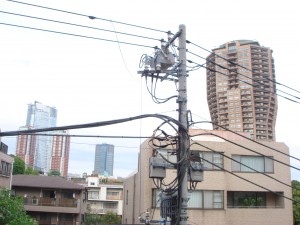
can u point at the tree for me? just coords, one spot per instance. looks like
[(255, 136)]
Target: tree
[(12, 211), (18, 166), (53, 173), (107, 219), (31, 171), (296, 205), (111, 218)]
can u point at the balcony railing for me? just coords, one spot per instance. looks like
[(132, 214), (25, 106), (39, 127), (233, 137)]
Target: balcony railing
[(45, 201)]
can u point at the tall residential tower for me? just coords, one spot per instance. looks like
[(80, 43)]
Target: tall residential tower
[(44, 153), (241, 91), (104, 159)]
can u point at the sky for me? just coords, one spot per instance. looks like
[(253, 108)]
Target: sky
[(90, 80)]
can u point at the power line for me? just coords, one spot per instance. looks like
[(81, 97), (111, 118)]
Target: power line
[(251, 150), (87, 136), (247, 180), (77, 35), (249, 139), (189, 42), (88, 16), (78, 25), (249, 167), (243, 80), (224, 67), (165, 118)]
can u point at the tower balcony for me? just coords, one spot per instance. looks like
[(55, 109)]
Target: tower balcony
[(247, 115)]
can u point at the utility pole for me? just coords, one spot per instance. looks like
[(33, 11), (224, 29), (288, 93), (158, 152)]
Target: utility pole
[(182, 111), (159, 64)]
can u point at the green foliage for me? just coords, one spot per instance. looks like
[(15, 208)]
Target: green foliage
[(54, 173), (12, 211), (19, 166), (107, 219), (30, 171), (296, 197), (111, 218)]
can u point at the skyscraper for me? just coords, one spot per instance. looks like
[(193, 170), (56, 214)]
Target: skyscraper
[(241, 91), (104, 159), (44, 153)]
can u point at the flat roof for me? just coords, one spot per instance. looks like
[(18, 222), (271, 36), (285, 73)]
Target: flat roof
[(54, 182)]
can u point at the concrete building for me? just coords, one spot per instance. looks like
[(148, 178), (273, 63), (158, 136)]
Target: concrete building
[(240, 89), (6, 163), (51, 199), (104, 195), (221, 198), (104, 160), (44, 153)]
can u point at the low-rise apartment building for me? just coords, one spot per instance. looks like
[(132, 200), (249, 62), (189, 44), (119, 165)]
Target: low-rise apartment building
[(6, 162), (51, 200), (221, 198), (104, 196)]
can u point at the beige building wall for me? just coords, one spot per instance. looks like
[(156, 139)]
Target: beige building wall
[(278, 211), (6, 163)]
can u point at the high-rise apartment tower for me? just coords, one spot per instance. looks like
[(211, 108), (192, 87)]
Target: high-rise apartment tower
[(44, 153), (241, 91), (104, 159)]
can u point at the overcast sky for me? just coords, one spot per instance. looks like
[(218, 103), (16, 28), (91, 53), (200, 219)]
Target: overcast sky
[(91, 80)]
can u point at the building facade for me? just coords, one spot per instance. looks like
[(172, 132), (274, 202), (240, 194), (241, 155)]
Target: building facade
[(241, 91), (104, 196), (104, 159), (221, 198), (51, 199), (44, 152), (6, 163)]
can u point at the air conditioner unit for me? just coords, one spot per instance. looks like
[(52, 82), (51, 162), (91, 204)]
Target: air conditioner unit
[(35, 201)]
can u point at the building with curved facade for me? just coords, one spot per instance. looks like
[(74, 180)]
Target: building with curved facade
[(241, 90)]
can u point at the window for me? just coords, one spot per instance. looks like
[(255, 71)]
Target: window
[(206, 199), (5, 168), (231, 48), (93, 195), (259, 163), (201, 199), (212, 161), (244, 199)]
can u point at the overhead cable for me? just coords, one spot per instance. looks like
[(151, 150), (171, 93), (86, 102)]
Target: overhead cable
[(249, 149), (77, 35), (247, 180), (189, 42), (249, 139), (88, 16), (249, 167), (78, 25)]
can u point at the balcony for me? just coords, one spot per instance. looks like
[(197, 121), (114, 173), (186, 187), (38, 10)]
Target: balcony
[(45, 204)]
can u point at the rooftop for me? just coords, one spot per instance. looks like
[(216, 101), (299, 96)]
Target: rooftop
[(44, 182)]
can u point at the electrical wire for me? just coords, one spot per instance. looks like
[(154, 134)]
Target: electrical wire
[(189, 42), (249, 167), (249, 139), (223, 67), (88, 16), (87, 136), (78, 25), (251, 150), (165, 118), (75, 35), (247, 180), (264, 85)]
